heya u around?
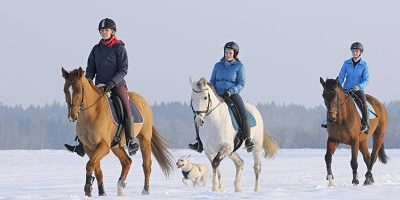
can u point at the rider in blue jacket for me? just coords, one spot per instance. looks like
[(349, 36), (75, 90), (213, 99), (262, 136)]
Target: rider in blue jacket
[(354, 76), (228, 79)]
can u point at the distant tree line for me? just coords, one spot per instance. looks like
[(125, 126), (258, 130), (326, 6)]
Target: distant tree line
[(293, 126)]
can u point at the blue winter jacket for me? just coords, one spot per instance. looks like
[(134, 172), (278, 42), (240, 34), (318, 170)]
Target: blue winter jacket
[(228, 76), (108, 64), (354, 76)]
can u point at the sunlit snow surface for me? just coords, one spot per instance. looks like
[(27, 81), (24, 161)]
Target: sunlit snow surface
[(292, 174)]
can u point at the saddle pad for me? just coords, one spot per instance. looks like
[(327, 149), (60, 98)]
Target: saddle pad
[(250, 118), (371, 115), (137, 117)]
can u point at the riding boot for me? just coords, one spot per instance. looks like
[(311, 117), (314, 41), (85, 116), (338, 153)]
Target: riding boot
[(130, 143), (365, 124), (78, 149), (198, 146), (246, 133)]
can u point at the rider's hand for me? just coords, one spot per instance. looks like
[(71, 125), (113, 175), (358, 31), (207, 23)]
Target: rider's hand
[(109, 86), (226, 94), (356, 88)]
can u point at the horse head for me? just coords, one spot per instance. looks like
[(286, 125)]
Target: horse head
[(73, 84), (331, 92), (202, 98)]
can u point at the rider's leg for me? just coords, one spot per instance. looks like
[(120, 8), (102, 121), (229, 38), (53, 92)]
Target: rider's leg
[(364, 109), (122, 92), (244, 122)]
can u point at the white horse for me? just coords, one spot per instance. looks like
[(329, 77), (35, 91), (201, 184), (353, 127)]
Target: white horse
[(212, 113)]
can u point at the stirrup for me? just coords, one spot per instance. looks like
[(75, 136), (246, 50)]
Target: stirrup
[(196, 147), (133, 147), (364, 128), (324, 125), (249, 145)]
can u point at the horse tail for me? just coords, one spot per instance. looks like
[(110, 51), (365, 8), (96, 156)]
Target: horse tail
[(160, 151), (270, 145), (382, 155)]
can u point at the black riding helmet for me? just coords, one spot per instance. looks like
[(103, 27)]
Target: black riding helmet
[(357, 45), (234, 47), (107, 23)]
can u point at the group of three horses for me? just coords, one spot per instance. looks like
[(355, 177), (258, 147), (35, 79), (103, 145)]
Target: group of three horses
[(88, 106)]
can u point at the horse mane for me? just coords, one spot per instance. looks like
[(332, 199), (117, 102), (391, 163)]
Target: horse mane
[(215, 92), (96, 89)]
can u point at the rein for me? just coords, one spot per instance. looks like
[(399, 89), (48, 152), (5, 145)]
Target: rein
[(82, 107), (208, 111)]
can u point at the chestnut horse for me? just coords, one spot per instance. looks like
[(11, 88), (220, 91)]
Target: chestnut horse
[(88, 106), (344, 126)]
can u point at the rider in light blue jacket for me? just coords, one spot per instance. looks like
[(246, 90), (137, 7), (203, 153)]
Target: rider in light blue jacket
[(228, 76), (354, 77), (228, 80)]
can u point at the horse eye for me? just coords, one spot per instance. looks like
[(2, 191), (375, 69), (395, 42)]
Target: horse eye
[(205, 98)]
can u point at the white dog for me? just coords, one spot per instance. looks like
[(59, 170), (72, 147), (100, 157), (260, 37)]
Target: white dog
[(197, 173)]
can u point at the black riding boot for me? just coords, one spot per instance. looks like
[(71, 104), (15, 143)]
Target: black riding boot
[(130, 143), (365, 124), (246, 133), (78, 149), (198, 146)]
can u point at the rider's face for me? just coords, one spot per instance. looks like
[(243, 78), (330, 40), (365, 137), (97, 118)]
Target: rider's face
[(229, 53), (356, 53), (106, 33)]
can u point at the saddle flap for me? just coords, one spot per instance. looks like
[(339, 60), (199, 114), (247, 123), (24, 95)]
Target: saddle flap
[(116, 108)]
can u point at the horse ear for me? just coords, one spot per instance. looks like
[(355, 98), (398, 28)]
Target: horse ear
[(321, 80), (65, 74), (80, 72), (337, 80), (191, 82)]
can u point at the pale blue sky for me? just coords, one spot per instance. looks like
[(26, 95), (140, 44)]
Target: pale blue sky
[(285, 45)]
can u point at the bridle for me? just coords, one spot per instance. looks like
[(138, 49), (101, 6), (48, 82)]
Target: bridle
[(81, 106), (335, 110), (207, 111)]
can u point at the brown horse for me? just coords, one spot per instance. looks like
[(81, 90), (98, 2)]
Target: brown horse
[(88, 106), (344, 126)]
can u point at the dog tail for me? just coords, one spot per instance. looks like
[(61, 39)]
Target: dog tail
[(270, 145)]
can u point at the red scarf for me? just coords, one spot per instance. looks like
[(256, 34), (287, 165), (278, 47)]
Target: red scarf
[(111, 42)]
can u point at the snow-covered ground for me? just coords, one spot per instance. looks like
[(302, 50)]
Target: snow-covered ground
[(292, 174)]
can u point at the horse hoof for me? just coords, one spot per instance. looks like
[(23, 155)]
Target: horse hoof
[(368, 182), (145, 192), (238, 190), (355, 182), (103, 194)]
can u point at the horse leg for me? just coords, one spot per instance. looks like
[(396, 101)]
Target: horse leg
[(376, 148), (126, 162), (239, 170), (101, 150), (257, 154), (145, 148), (353, 162), (99, 177), (365, 152), (330, 150)]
